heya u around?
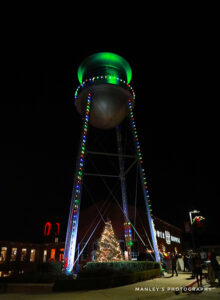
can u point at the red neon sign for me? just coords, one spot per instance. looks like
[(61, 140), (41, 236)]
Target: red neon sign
[(58, 229), (47, 228)]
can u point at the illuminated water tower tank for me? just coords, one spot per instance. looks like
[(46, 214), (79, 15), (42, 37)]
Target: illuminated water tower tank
[(109, 75), (105, 98)]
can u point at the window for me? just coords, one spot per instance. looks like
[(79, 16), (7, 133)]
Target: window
[(7, 273), (32, 256), (52, 254), (45, 256), (61, 255), (23, 254), (13, 254), (3, 254), (134, 250)]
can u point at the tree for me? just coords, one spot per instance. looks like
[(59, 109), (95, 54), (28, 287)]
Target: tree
[(108, 248)]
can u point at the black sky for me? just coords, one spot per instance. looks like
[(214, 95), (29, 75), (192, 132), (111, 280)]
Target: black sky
[(174, 77)]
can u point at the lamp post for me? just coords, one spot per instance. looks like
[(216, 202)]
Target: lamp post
[(190, 217)]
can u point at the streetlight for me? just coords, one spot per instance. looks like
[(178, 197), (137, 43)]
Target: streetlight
[(190, 216)]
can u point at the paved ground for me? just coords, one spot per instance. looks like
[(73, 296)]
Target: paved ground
[(159, 288)]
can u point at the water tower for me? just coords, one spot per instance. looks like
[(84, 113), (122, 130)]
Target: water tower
[(104, 99)]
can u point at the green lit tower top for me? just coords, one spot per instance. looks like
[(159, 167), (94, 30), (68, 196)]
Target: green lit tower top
[(106, 76), (105, 63)]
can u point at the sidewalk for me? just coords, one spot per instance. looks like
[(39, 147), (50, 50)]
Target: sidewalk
[(159, 288)]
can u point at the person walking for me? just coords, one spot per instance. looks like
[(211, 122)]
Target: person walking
[(193, 255), (211, 272), (215, 266), (198, 269), (190, 262), (173, 261), (186, 262)]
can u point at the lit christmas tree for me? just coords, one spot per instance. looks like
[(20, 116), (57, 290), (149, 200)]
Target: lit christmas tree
[(108, 248)]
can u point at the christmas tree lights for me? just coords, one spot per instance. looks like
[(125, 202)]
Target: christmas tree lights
[(108, 248)]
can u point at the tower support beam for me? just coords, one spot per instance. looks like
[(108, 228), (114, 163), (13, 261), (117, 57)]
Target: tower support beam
[(130, 167), (143, 181), (101, 175), (111, 154), (72, 229), (127, 225)]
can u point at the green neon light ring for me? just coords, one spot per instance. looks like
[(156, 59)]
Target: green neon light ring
[(111, 61)]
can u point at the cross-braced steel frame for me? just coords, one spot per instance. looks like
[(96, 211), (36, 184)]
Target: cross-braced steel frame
[(72, 229)]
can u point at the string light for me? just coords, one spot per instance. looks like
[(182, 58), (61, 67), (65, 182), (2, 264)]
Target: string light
[(128, 234), (105, 79), (73, 221), (143, 178), (130, 107)]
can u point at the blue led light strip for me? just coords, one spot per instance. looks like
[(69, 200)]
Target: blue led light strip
[(71, 236), (143, 181)]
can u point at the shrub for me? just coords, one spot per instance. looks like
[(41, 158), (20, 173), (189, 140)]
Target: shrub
[(46, 273), (117, 279), (50, 267), (120, 266)]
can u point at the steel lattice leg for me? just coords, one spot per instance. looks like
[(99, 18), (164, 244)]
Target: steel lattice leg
[(143, 181), (72, 229), (127, 225)]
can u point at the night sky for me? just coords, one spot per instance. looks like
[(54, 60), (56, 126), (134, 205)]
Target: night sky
[(174, 77)]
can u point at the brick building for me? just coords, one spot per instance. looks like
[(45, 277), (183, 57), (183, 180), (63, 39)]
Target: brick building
[(169, 237), (18, 257)]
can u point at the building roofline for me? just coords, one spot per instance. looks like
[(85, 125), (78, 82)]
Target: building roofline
[(168, 224), (30, 243)]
